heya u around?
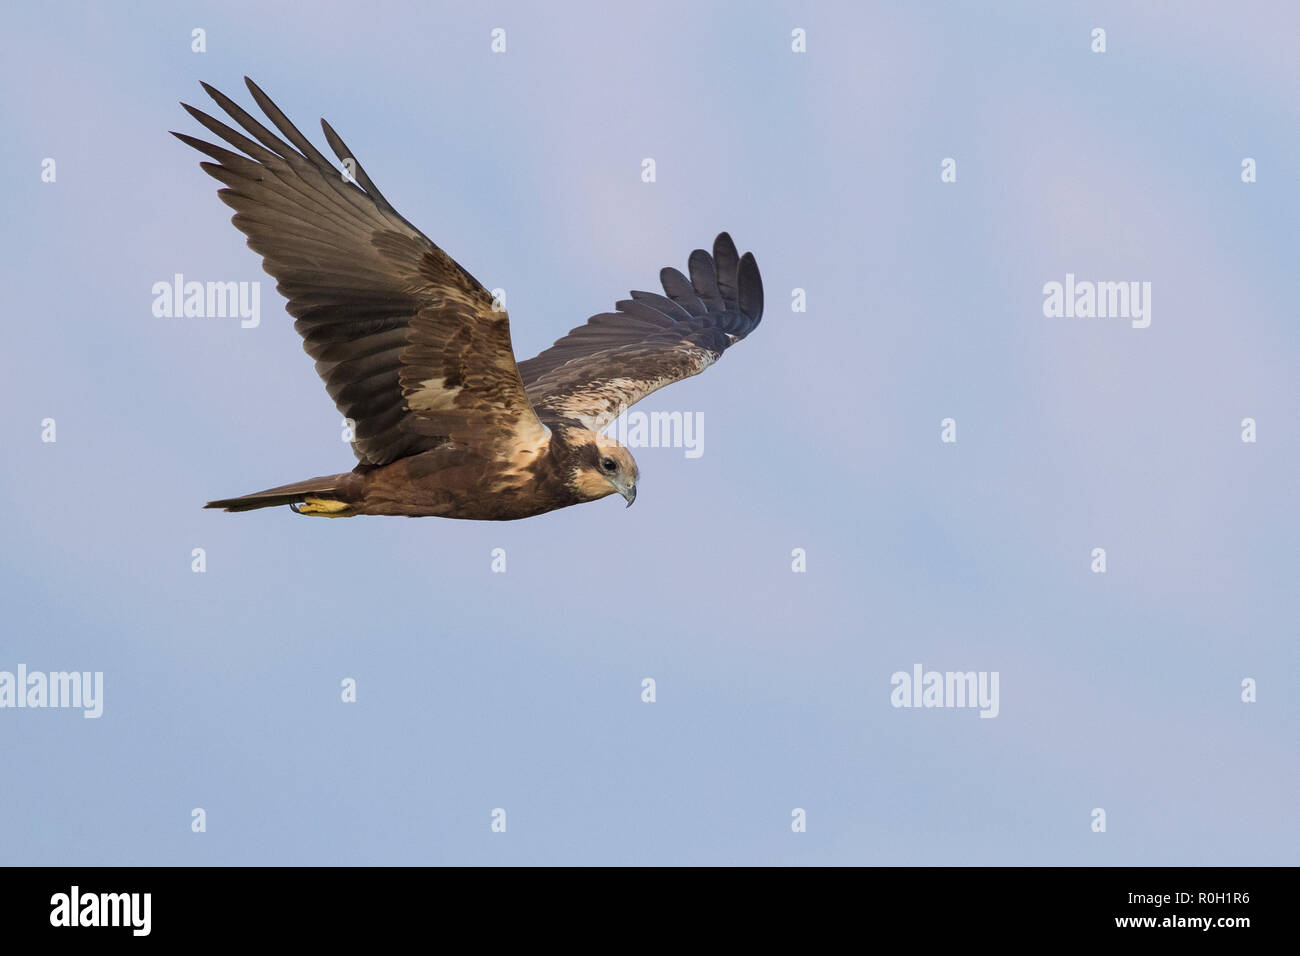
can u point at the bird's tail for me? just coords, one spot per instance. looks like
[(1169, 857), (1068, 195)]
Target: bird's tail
[(331, 495)]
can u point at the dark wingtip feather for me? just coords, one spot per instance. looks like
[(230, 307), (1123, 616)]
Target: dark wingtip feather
[(704, 277), (344, 154), (212, 91), (674, 283), (209, 122), (725, 260), (750, 286), (257, 91)]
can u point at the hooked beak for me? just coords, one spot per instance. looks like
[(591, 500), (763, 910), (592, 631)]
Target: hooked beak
[(628, 492)]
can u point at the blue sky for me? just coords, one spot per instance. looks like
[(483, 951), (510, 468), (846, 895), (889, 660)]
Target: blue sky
[(522, 690)]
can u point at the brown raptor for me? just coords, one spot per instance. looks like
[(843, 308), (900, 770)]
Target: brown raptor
[(417, 353)]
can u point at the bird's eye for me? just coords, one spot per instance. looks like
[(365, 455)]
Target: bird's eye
[(608, 464)]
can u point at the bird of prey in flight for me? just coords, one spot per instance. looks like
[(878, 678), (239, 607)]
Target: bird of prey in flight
[(417, 353)]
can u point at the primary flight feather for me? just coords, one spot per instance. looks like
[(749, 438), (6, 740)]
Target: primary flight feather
[(417, 354)]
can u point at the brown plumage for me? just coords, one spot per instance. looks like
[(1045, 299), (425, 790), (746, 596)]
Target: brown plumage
[(415, 351)]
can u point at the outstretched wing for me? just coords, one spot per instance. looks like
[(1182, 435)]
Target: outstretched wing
[(407, 342), (617, 359)]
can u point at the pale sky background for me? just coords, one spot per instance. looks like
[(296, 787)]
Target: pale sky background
[(522, 691)]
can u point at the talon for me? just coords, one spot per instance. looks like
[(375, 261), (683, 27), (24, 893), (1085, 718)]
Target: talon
[(323, 507)]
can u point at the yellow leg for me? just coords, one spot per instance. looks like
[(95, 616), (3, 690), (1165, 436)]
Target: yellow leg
[(323, 507)]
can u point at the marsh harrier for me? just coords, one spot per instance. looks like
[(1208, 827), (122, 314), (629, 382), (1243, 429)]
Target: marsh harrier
[(417, 353)]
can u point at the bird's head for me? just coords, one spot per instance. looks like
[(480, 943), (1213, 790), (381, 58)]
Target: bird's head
[(601, 466)]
